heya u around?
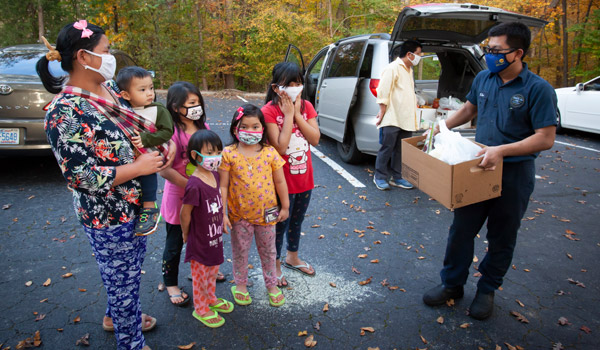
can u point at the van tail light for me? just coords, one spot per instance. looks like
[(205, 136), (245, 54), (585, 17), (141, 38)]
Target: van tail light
[(373, 84), (46, 106)]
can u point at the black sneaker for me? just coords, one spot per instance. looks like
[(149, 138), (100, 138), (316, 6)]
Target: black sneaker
[(440, 294), (147, 221), (482, 306)]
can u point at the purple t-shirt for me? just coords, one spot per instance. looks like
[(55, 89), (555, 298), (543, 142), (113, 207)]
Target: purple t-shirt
[(205, 239)]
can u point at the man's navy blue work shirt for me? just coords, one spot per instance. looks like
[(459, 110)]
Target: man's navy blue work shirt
[(510, 112)]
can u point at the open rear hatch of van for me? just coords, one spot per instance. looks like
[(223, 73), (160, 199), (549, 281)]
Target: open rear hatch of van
[(463, 24)]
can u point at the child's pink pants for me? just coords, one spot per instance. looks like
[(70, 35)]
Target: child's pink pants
[(204, 279), (242, 233)]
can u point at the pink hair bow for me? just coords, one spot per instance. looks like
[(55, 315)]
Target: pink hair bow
[(240, 113), (82, 25)]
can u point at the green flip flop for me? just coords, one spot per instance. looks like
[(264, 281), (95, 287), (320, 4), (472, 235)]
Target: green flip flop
[(275, 295), (205, 320), (222, 302), (238, 301)]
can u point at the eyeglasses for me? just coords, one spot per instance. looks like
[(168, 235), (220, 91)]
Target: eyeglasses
[(488, 49)]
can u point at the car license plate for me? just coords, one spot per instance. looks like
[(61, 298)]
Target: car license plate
[(9, 136)]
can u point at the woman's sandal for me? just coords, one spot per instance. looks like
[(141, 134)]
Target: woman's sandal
[(281, 281), (205, 320), (222, 302), (145, 328), (238, 301), (272, 297), (180, 295)]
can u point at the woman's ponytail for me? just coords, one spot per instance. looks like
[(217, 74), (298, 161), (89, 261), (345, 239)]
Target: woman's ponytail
[(51, 83)]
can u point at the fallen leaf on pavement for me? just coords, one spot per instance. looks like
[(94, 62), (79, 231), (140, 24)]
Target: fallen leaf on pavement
[(250, 266), (361, 235), (520, 303), (563, 321), (384, 282), (358, 231), (526, 270), (77, 319), (67, 275), (375, 261), (477, 274), (377, 242), (586, 329), (450, 302), (498, 347), (344, 219), (40, 317), (6, 206), (366, 329), (510, 347), (82, 290), (355, 270), (475, 259), (316, 226), (569, 256), (31, 197), (332, 284), (440, 320), (421, 258), (85, 340), (362, 256), (465, 325), (558, 346), (577, 283), (47, 283), (393, 287), (28, 283), (302, 333), (186, 347), (321, 236), (309, 342), (519, 317), (385, 233), (326, 307), (367, 281), (161, 287), (317, 325), (387, 204), (423, 339), (370, 348)]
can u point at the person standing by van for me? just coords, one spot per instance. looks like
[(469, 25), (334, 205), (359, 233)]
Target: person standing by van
[(397, 117), (516, 117)]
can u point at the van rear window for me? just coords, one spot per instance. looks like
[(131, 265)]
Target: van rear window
[(468, 27)]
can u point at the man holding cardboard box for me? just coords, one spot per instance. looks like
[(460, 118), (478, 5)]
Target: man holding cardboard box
[(397, 117), (516, 117)]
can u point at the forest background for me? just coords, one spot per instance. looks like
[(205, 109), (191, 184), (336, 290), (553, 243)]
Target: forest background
[(233, 44)]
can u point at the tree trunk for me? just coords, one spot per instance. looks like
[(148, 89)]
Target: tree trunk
[(40, 20), (585, 20), (565, 46), (330, 18), (201, 46), (116, 23)]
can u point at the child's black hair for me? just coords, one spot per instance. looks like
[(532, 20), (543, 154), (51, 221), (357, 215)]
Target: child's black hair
[(68, 43), (176, 97), (284, 73), (127, 74), (248, 110), (201, 138)]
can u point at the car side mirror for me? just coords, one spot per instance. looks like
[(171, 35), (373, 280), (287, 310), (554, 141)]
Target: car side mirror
[(579, 87)]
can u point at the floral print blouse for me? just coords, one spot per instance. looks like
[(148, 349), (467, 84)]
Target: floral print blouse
[(88, 148)]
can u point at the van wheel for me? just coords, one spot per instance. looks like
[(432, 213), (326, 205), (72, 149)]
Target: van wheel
[(559, 128), (348, 151)]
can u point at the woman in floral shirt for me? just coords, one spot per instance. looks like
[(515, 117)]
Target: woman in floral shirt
[(87, 127)]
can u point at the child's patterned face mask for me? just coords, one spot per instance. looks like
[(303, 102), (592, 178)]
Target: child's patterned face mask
[(249, 137), (210, 163)]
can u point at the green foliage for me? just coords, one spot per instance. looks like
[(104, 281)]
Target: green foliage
[(589, 38)]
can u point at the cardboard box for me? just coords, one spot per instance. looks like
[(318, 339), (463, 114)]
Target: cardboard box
[(454, 186)]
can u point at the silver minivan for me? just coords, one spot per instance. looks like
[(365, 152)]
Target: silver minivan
[(342, 78)]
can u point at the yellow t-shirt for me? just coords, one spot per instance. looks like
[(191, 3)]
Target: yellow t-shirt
[(251, 186)]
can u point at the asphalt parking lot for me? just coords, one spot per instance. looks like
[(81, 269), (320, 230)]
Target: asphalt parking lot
[(50, 281)]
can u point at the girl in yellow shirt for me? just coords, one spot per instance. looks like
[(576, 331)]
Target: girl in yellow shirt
[(252, 178)]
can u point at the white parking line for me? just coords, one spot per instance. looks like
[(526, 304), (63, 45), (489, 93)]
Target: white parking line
[(572, 145), (335, 166)]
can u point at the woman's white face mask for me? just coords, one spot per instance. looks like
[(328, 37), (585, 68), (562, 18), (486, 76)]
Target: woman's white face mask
[(292, 91), (107, 67)]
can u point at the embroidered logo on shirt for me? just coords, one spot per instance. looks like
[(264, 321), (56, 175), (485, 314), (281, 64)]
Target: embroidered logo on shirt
[(517, 100)]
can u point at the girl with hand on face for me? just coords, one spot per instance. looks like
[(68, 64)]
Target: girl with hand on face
[(292, 128), (252, 178)]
